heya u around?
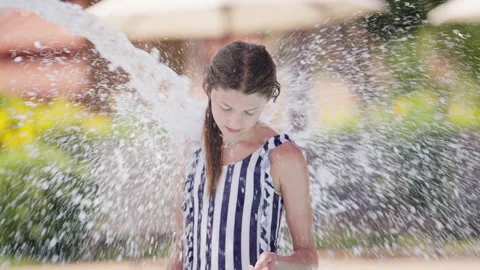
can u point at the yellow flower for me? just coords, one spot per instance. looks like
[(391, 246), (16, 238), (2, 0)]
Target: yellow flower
[(14, 138), (401, 106), (60, 113), (3, 119), (64, 113), (463, 114), (336, 116), (19, 111), (44, 119), (420, 106), (96, 124)]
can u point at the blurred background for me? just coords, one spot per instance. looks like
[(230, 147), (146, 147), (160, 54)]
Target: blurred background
[(386, 91)]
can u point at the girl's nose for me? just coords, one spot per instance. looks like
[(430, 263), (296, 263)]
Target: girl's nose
[(235, 122)]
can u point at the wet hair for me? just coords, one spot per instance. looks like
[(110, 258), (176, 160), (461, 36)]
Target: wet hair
[(238, 66)]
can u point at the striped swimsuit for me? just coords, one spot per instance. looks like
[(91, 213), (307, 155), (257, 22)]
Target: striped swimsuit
[(241, 220)]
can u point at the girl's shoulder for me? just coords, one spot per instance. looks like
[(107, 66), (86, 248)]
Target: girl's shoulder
[(287, 153), (284, 157), (287, 147)]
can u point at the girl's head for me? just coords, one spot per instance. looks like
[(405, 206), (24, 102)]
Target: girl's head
[(239, 81)]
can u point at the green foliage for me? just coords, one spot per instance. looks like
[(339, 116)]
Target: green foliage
[(47, 196), (462, 42), (46, 203), (404, 17), (9, 261), (434, 80)]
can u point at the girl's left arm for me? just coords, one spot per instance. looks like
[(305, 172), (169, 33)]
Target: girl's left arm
[(290, 167)]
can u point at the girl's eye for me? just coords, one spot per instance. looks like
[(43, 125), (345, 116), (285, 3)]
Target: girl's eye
[(226, 109), (249, 114)]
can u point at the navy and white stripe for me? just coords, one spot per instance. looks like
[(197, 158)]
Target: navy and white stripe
[(230, 229)]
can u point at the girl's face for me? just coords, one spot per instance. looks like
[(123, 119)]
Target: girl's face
[(235, 113)]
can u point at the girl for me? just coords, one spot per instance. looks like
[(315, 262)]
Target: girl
[(244, 175)]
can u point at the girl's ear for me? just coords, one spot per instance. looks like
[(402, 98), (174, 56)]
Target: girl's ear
[(205, 87)]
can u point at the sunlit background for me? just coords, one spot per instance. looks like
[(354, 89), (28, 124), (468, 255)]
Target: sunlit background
[(382, 96)]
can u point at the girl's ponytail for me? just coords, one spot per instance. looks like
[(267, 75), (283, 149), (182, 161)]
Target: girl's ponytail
[(213, 143)]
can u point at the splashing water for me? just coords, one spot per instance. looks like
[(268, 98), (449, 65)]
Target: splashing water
[(151, 79), (378, 190), (118, 162)]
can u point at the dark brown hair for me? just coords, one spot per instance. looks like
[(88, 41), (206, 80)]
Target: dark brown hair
[(238, 66)]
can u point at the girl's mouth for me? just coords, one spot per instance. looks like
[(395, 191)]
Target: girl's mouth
[(233, 130)]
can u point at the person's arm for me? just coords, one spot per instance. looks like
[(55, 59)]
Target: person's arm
[(290, 167)]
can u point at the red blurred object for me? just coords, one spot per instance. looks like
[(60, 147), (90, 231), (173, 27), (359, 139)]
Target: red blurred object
[(23, 30), (37, 56)]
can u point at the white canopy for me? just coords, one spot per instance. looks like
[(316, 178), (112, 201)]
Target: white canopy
[(456, 11), (190, 19)]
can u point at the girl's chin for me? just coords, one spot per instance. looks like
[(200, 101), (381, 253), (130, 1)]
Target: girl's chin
[(227, 135)]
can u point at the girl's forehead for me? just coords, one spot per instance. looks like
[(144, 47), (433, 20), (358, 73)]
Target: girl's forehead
[(238, 99)]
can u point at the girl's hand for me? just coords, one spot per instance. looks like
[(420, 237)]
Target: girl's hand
[(266, 261)]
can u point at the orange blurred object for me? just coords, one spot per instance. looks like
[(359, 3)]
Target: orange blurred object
[(22, 30), (38, 57)]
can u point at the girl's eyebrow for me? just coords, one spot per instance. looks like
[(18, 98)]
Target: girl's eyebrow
[(245, 110), (252, 109), (225, 104)]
